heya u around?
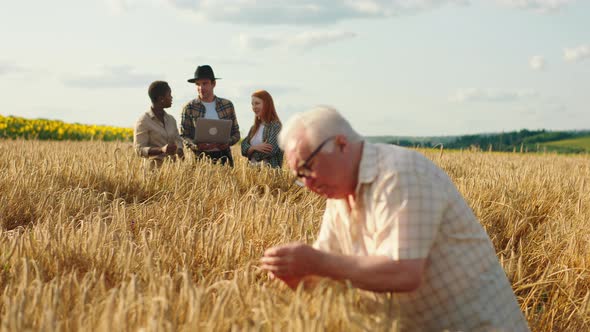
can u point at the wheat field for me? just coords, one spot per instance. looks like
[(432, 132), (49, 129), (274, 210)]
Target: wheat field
[(91, 239)]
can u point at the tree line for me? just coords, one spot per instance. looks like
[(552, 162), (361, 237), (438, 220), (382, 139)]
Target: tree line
[(521, 141)]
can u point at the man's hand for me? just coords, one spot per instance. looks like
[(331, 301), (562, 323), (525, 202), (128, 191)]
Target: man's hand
[(294, 260), (292, 282)]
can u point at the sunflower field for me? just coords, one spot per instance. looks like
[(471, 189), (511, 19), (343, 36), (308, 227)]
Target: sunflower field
[(42, 129)]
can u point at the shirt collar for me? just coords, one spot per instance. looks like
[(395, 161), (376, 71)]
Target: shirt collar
[(368, 165), (150, 112), (199, 101)]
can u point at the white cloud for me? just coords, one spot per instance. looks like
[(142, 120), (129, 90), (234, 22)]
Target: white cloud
[(300, 42), (577, 53), (241, 89), (265, 12), (258, 42), (302, 12), (111, 77), (489, 95), (311, 39), (224, 60), (537, 62), (541, 6), (117, 7), (9, 68)]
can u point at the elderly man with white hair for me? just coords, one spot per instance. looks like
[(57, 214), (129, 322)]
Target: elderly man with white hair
[(394, 222)]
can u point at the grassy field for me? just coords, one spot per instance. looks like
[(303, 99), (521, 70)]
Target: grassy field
[(92, 240), (581, 143)]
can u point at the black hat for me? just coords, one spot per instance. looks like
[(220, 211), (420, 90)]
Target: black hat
[(204, 71)]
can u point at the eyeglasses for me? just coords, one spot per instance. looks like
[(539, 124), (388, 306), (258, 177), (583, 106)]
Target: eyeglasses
[(303, 171)]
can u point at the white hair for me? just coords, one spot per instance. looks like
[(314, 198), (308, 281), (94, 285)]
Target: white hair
[(317, 125)]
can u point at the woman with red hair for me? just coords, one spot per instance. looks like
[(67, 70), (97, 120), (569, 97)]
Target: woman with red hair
[(261, 144)]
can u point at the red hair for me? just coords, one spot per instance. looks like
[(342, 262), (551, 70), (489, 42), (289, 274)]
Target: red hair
[(268, 114)]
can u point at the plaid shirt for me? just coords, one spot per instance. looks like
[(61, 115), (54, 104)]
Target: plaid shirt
[(270, 135), (195, 109), (408, 208)]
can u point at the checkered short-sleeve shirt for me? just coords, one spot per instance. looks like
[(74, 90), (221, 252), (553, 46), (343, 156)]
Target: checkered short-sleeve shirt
[(408, 208)]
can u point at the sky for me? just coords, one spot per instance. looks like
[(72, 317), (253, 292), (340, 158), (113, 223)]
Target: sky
[(391, 67)]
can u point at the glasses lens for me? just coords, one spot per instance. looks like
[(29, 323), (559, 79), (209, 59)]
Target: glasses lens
[(303, 171)]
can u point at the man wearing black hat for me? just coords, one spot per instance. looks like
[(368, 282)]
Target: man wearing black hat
[(208, 105)]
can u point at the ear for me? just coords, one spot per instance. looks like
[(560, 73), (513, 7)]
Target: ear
[(341, 142)]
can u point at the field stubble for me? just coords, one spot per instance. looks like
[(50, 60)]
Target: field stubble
[(90, 239)]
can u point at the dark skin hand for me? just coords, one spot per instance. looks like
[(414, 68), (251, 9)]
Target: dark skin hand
[(169, 149), (180, 153)]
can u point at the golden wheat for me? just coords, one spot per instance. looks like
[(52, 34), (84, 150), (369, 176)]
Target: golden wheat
[(91, 239)]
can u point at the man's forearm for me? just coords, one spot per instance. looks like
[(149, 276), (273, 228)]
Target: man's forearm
[(373, 273), (155, 151)]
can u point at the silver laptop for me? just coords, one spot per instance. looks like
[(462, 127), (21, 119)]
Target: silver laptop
[(212, 131)]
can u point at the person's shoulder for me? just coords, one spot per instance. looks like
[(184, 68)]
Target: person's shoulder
[(391, 157), (224, 101), (405, 160), (143, 117), (190, 104), (275, 124), (169, 116), (392, 149), (142, 121)]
